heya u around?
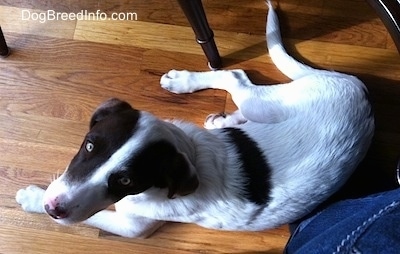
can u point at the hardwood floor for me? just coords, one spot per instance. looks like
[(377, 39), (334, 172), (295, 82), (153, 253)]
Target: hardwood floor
[(59, 71)]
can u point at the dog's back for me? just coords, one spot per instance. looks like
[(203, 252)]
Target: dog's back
[(322, 128), (300, 143)]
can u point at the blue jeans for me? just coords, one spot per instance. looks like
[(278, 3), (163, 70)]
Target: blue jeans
[(366, 225)]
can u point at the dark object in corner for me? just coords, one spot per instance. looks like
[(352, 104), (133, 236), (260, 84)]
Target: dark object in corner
[(4, 51)]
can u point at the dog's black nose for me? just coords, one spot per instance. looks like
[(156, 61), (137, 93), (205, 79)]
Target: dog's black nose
[(57, 213)]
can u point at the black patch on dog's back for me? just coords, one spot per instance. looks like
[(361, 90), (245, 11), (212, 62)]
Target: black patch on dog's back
[(254, 165)]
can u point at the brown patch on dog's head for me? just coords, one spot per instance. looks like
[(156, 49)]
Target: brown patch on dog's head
[(111, 125), (150, 163), (107, 108)]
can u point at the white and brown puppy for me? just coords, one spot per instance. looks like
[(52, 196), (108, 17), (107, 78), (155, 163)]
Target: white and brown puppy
[(287, 149)]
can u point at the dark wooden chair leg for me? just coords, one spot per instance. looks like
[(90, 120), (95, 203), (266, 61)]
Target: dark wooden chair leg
[(4, 51), (194, 12), (389, 12)]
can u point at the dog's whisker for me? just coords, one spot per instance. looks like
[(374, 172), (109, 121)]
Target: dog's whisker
[(55, 176)]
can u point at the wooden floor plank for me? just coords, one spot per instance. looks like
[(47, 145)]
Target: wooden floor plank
[(245, 46), (17, 239), (60, 71), (21, 21), (348, 58)]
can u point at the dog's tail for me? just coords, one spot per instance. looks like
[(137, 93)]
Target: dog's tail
[(284, 62)]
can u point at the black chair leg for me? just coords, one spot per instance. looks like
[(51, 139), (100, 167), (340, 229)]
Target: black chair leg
[(389, 12), (194, 12), (4, 51)]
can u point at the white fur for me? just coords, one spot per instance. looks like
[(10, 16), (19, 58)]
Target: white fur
[(314, 131)]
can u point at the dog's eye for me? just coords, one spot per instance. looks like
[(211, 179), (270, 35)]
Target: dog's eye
[(124, 181), (89, 146)]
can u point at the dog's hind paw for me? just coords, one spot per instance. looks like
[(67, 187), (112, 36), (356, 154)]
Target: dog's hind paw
[(222, 120), (178, 82), (31, 199), (215, 121)]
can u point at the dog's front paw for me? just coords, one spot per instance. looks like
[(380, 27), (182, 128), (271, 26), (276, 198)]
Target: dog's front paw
[(31, 199), (177, 82)]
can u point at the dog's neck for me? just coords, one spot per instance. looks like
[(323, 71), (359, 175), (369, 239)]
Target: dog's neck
[(195, 143)]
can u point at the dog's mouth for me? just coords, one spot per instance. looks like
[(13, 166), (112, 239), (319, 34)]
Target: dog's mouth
[(69, 214)]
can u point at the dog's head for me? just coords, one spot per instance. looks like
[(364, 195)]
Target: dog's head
[(125, 152)]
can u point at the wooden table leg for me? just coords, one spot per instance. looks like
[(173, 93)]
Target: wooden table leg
[(4, 51), (389, 12), (194, 12)]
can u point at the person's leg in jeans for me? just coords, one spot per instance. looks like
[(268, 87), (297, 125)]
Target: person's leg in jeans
[(365, 225)]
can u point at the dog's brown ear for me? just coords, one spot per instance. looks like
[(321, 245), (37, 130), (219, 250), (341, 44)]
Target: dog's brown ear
[(181, 176), (108, 107)]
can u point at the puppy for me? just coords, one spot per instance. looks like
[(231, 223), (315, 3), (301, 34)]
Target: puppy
[(287, 149)]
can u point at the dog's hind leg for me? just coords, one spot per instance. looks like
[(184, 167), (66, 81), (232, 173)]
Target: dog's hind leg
[(256, 103), (187, 82)]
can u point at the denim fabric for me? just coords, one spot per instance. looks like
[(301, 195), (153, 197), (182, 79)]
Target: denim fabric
[(366, 225)]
